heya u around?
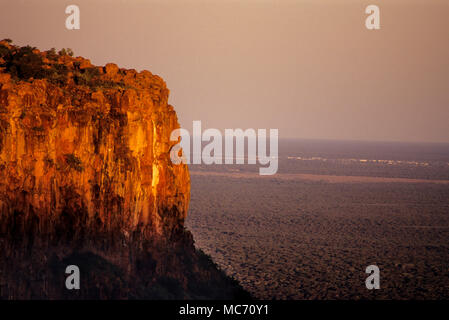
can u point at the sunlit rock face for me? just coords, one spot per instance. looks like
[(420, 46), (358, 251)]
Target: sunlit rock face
[(86, 179), (99, 154)]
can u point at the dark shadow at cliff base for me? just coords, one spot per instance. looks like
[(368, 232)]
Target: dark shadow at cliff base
[(157, 269)]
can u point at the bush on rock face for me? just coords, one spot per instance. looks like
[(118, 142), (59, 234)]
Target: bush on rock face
[(74, 162)]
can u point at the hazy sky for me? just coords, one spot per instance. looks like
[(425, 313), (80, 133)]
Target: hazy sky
[(309, 68)]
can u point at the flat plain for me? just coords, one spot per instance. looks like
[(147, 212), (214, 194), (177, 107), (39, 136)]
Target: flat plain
[(313, 239)]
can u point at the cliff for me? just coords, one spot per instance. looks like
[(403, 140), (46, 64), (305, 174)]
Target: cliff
[(86, 179)]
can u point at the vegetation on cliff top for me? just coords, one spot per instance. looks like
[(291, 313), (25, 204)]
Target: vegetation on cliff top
[(24, 63), (60, 68)]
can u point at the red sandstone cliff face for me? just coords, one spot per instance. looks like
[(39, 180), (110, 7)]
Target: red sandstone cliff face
[(101, 153), (86, 179)]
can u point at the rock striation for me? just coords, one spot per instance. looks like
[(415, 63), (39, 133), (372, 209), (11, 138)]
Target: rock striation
[(86, 179)]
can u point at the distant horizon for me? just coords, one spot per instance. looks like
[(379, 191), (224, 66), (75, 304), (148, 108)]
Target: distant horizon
[(366, 140), (354, 140)]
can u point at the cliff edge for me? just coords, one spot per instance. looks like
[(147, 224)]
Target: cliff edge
[(86, 179)]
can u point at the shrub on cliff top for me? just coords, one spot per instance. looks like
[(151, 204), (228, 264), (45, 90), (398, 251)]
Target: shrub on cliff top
[(52, 55), (3, 51), (86, 76), (66, 51), (23, 63)]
